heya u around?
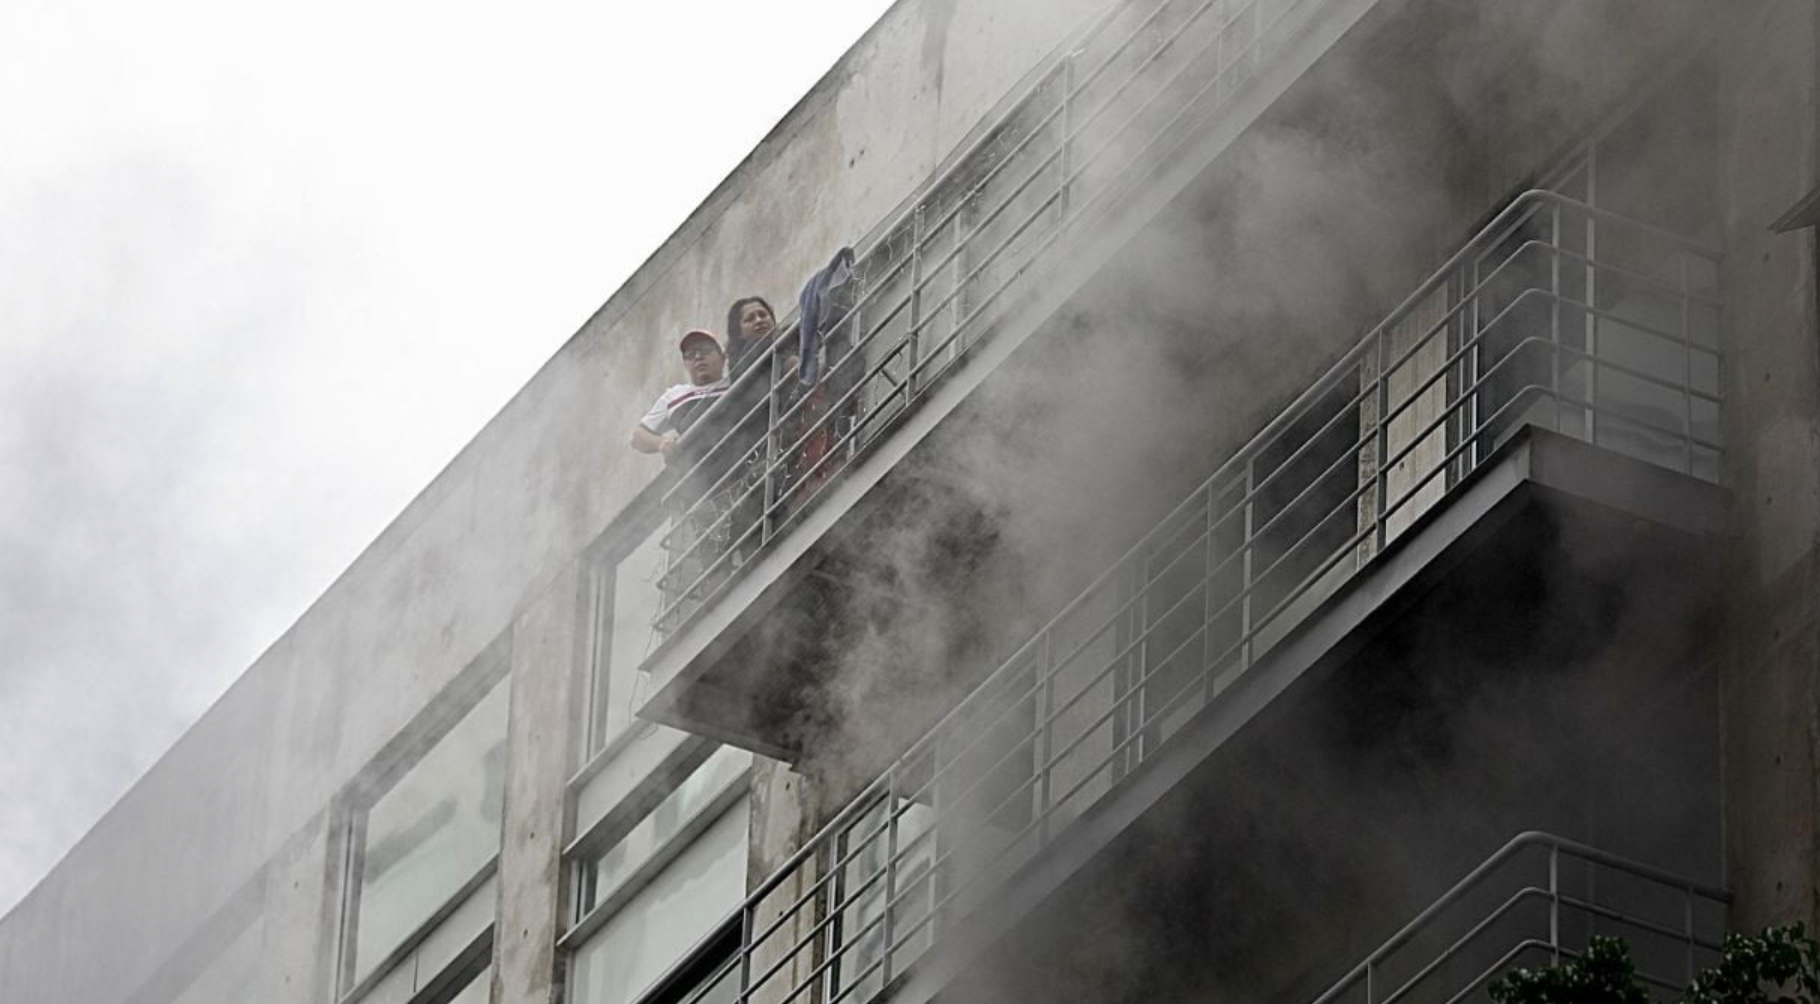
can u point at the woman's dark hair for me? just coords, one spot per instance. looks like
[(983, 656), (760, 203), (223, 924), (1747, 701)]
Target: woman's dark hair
[(737, 346)]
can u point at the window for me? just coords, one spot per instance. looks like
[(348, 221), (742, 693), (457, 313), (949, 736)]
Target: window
[(889, 870), (624, 605), (476, 990), (709, 975), (696, 801), (672, 912), (426, 838)]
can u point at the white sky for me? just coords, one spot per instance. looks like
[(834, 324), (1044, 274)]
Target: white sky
[(264, 268)]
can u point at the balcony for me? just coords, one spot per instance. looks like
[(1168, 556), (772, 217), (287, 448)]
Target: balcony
[(1538, 422), (1096, 144), (753, 567)]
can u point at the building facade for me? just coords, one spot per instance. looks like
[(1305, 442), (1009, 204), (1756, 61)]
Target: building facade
[(1308, 500)]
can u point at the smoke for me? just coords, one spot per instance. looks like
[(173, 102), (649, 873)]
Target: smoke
[(1288, 248), (130, 358)]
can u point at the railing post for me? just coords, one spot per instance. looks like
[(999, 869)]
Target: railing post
[(1065, 162), (1554, 900), (1209, 561), (913, 340), (1687, 904), (1591, 325), (1381, 529), (1122, 679), (891, 840), (1043, 744), (1475, 368), (1245, 563), (770, 495), (746, 925), (1687, 359), (1555, 295)]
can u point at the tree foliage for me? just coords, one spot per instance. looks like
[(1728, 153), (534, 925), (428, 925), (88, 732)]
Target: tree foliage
[(1779, 966), (1603, 974)]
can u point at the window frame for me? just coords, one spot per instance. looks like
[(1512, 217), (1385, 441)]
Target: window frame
[(481, 679), (619, 822)]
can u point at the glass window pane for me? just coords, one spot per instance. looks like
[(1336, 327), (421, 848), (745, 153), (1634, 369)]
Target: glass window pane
[(696, 792), (431, 831), (678, 908), (476, 990), (625, 632), (722, 987), (856, 946)]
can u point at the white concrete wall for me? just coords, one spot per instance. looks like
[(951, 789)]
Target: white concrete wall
[(497, 531)]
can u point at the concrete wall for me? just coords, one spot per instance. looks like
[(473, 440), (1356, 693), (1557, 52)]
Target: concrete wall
[(240, 804), (1770, 689)]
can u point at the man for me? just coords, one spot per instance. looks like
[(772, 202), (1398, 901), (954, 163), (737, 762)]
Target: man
[(700, 532), (679, 407)]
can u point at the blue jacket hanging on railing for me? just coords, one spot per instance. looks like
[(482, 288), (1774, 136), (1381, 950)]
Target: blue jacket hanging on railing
[(825, 301)]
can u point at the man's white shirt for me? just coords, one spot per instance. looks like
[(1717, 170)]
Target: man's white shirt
[(679, 407)]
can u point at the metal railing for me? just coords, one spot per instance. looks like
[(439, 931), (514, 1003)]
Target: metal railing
[(1556, 313), (1539, 900), (939, 278)]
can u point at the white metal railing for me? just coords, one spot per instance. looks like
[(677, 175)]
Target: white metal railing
[(941, 276), (1556, 313), (1538, 900)]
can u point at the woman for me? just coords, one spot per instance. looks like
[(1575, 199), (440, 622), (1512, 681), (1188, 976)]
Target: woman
[(750, 324)]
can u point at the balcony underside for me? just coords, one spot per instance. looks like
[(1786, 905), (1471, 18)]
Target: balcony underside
[(1532, 653), (767, 665)]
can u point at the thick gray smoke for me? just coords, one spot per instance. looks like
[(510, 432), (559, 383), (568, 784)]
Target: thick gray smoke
[(1287, 249)]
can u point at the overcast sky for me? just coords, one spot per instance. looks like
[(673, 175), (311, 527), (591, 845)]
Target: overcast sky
[(264, 268)]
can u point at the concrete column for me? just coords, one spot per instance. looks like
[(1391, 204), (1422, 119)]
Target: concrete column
[(540, 731), (1770, 694), (783, 818), (1419, 407), (300, 917)]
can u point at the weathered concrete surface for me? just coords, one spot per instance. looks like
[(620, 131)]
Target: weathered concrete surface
[(297, 900), (1770, 691), (530, 855), (501, 523)]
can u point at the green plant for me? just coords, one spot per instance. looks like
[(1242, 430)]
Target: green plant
[(1603, 974), (1779, 966)]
